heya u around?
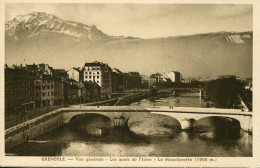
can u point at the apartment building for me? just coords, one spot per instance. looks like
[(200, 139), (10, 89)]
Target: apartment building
[(99, 73)]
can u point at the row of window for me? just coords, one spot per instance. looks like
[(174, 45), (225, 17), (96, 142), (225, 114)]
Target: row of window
[(91, 77), (95, 81), (91, 73), (92, 68), (48, 87), (43, 94), (17, 84), (16, 101), (47, 81), (15, 93)]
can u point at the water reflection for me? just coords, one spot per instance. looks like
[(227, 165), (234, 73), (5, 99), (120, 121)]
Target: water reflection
[(91, 124), (145, 127)]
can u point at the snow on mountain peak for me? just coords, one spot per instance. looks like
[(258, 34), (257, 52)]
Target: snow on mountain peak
[(238, 37), (24, 26)]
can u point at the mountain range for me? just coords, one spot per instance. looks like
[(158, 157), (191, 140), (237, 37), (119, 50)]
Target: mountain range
[(44, 38)]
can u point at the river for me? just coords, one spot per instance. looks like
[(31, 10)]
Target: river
[(146, 135)]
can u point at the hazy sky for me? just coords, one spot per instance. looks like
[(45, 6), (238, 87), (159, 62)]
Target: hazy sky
[(147, 20)]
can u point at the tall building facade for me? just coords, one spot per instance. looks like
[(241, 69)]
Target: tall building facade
[(44, 91), (49, 85), (19, 91), (99, 73), (58, 91)]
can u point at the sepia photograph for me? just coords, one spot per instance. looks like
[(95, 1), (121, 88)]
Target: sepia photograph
[(123, 81)]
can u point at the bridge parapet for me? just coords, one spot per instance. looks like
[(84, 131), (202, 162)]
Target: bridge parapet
[(185, 115), (199, 110)]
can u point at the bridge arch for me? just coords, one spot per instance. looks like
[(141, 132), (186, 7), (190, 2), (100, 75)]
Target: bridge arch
[(218, 122), (91, 117), (188, 120), (68, 116), (117, 118), (244, 121)]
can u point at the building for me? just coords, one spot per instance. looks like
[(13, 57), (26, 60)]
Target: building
[(19, 91), (99, 73), (74, 73), (174, 76), (117, 81), (45, 69), (93, 91), (49, 89), (44, 91), (58, 91), (59, 75), (154, 79), (71, 92)]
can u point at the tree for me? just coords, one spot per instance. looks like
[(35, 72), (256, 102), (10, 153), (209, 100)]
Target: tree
[(225, 91)]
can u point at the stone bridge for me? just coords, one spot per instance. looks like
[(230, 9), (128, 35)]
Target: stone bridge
[(185, 115)]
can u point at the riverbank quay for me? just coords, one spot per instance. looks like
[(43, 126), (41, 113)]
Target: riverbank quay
[(34, 125), (122, 100), (43, 124), (15, 120)]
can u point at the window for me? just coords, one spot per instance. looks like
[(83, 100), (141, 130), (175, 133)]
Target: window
[(52, 86), (43, 87), (86, 77), (98, 77), (90, 73), (97, 81), (43, 94), (48, 93), (97, 72), (94, 68), (97, 68), (48, 87), (89, 77), (86, 72)]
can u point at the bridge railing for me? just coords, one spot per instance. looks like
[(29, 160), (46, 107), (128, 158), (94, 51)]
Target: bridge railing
[(159, 109)]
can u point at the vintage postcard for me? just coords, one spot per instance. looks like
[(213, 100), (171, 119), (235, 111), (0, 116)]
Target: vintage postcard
[(129, 83)]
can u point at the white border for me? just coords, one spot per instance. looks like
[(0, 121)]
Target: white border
[(221, 161)]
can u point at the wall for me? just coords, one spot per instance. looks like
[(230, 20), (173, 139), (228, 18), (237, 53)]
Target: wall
[(33, 128), (45, 123)]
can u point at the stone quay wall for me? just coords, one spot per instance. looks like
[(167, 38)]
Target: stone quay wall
[(30, 129), (33, 128)]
